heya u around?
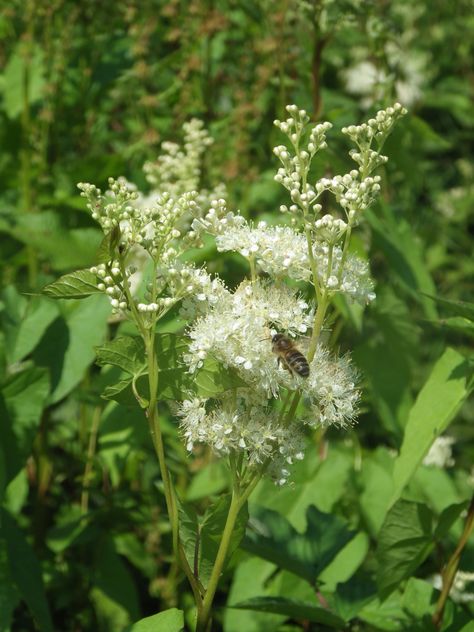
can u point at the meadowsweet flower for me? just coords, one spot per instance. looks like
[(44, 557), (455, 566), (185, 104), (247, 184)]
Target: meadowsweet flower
[(281, 251), (237, 332), (331, 390), (240, 425)]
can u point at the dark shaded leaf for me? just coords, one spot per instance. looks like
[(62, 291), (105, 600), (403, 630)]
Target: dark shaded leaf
[(293, 609), (405, 540), (272, 537)]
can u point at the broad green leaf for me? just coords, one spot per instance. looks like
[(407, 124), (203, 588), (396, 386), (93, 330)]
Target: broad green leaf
[(447, 518), (376, 487), (126, 352), (435, 487), (25, 571), (210, 532), (115, 597), (63, 535), (22, 398), (272, 537), (79, 284), (174, 381), (405, 540), (20, 62), (350, 597), (386, 358), (419, 600), (64, 248), (24, 322), (346, 562), (404, 254), (67, 348), (436, 405), (212, 479), (314, 482), (291, 608), (251, 578), (387, 615), (171, 620)]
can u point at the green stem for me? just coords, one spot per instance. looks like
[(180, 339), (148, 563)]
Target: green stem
[(157, 437), (237, 502), (312, 263), (345, 251), (90, 459), (451, 568), (253, 270)]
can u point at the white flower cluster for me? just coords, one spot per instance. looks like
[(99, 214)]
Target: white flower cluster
[(242, 425), (281, 251), (332, 390), (237, 332)]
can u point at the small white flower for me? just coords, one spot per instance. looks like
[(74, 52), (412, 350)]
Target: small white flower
[(440, 454)]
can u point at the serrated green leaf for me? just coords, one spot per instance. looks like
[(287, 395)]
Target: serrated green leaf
[(188, 532), (405, 540), (436, 405), (212, 379), (126, 352), (292, 608), (171, 620), (79, 284)]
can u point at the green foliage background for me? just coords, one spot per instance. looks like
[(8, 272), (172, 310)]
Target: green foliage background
[(90, 90)]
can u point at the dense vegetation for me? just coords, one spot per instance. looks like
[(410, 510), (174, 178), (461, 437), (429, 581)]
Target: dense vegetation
[(373, 524)]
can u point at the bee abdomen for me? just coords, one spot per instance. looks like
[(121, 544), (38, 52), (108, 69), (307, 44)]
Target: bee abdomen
[(298, 363)]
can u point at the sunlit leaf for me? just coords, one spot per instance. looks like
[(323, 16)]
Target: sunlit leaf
[(79, 284)]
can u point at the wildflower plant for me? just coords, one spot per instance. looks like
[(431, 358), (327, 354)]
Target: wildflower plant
[(255, 410)]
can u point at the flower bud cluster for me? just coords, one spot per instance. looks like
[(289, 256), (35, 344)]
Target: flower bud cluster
[(111, 282), (377, 128), (178, 169), (114, 207), (353, 195), (330, 229)]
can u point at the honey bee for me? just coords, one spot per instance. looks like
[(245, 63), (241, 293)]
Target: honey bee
[(289, 356)]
